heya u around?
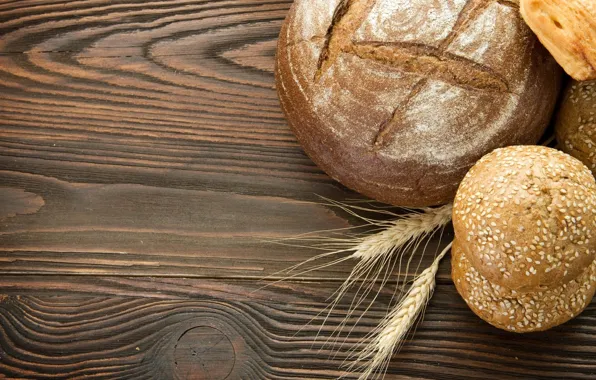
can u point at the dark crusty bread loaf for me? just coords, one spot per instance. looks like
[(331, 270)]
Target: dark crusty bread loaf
[(398, 99)]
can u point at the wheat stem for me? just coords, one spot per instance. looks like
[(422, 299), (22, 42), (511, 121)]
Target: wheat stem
[(391, 332), (376, 252), (394, 244)]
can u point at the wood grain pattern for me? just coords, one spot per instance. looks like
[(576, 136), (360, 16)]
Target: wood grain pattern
[(95, 330), (18, 202), (147, 88), (148, 230), (144, 162), (153, 132)]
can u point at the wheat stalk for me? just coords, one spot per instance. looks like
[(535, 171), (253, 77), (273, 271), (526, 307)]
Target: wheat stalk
[(368, 249), (377, 254), (391, 332), (402, 231)]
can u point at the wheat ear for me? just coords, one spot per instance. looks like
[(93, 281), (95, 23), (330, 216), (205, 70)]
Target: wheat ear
[(401, 231), (367, 248), (394, 243), (378, 254), (386, 338)]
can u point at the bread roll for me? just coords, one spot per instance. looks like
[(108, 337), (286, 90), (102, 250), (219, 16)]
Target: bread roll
[(576, 122), (526, 216), (525, 228), (568, 30), (397, 99), (520, 312)]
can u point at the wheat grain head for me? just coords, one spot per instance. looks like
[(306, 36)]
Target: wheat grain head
[(386, 338)]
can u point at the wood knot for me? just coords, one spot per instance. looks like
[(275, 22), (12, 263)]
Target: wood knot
[(204, 353), (15, 202)]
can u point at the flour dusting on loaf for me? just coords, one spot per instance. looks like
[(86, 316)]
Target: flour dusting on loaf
[(410, 21), (491, 31), (399, 100), (314, 22)]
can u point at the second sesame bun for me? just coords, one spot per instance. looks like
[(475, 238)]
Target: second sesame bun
[(575, 125), (525, 217), (520, 312)]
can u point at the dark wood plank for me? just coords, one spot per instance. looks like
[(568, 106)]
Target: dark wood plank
[(174, 94), (144, 138), (152, 134), (136, 229), (198, 329), (81, 228)]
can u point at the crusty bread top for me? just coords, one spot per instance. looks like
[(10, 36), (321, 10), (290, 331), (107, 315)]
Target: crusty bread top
[(526, 217), (397, 99), (576, 122), (520, 312)]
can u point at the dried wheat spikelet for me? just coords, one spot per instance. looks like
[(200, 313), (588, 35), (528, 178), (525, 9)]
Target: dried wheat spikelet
[(378, 254), (392, 243), (389, 335)]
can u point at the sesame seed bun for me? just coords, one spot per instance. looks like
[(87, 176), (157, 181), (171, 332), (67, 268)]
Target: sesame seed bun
[(526, 217), (576, 122), (520, 312)]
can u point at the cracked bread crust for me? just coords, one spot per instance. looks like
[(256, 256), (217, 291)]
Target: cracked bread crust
[(520, 312), (576, 122), (526, 217), (398, 105)]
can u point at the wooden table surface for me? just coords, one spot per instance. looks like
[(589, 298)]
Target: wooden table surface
[(144, 164)]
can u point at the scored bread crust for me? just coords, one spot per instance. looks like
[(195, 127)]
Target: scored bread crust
[(397, 105), (526, 217), (576, 122), (520, 312)]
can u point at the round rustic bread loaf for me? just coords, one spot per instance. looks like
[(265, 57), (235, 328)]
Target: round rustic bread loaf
[(526, 217), (397, 99), (576, 122), (520, 312)]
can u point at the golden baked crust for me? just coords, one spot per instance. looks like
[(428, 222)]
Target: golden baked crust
[(520, 312), (526, 217), (568, 30), (576, 122), (398, 105)]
